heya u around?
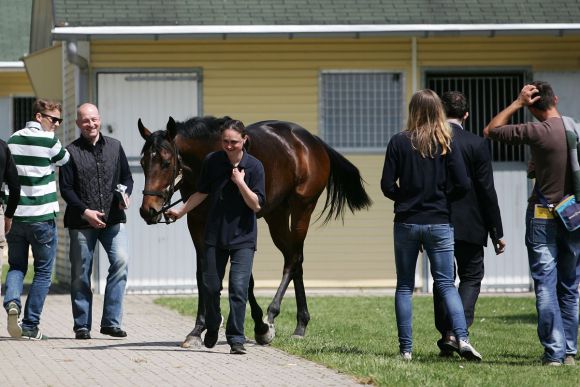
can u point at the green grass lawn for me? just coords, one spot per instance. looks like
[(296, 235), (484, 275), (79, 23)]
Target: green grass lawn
[(27, 278), (358, 336)]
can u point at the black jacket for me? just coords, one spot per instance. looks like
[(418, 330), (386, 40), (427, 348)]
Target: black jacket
[(422, 187), (9, 175), (476, 215), (89, 180)]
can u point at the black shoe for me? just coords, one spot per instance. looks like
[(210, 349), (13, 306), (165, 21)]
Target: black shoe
[(113, 331), (83, 334), (447, 345), (238, 349), (210, 338)]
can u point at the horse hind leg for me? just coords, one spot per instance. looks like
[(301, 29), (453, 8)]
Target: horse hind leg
[(291, 243), (302, 314), (280, 233)]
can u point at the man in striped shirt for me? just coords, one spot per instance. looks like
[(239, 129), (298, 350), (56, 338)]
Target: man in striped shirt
[(37, 152)]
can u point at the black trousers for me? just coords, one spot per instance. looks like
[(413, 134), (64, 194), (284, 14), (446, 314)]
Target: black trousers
[(469, 268)]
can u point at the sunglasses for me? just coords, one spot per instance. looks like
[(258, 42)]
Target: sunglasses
[(54, 120)]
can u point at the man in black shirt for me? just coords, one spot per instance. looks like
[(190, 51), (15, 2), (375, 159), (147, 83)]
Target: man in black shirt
[(95, 212)]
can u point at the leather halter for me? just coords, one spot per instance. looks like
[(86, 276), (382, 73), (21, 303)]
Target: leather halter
[(167, 193)]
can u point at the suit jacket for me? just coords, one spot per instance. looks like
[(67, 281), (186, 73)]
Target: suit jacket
[(476, 215)]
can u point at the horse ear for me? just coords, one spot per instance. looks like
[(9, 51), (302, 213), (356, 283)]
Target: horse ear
[(171, 128), (145, 133)]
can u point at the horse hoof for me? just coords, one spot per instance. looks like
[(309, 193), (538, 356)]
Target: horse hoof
[(190, 341), (267, 337), (297, 337)]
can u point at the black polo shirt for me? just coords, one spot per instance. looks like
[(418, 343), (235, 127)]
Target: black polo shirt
[(231, 223)]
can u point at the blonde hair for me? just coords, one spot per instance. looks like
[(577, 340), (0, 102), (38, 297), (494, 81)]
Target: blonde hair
[(427, 126)]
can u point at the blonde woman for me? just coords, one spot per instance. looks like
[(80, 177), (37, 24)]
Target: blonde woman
[(422, 174)]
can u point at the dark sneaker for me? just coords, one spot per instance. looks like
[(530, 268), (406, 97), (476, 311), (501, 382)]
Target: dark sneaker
[(467, 351), (14, 328), (238, 349), (33, 334), (546, 361), (570, 360), (210, 338), (447, 346), (83, 334), (113, 331)]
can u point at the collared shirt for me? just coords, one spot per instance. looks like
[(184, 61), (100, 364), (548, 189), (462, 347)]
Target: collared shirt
[(37, 153), (231, 223)]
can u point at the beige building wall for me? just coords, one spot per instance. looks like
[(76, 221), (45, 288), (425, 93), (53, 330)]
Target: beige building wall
[(15, 83), (262, 79)]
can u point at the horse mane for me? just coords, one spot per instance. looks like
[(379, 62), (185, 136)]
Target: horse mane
[(157, 140), (206, 128)]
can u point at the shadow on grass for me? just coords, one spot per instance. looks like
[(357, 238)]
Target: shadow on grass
[(343, 349), (522, 318)]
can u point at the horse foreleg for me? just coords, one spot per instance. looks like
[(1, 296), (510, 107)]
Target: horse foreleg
[(274, 307), (262, 331), (194, 337)]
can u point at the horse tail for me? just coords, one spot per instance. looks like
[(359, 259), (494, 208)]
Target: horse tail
[(345, 187)]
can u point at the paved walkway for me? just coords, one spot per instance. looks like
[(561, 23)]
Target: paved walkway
[(149, 356)]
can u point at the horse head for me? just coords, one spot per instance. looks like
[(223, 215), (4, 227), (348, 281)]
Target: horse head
[(162, 170)]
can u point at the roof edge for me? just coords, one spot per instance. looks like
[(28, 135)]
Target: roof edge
[(17, 65), (86, 33)]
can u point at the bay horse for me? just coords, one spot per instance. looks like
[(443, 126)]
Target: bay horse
[(298, 167)]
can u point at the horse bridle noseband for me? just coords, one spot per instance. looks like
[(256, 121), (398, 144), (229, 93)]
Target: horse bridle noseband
[(168, 192)]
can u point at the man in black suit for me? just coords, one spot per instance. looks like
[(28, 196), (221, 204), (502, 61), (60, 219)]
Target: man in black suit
[(474, 217)]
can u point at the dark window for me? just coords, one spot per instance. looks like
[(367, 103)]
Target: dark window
[(487, 94), (21, 111)]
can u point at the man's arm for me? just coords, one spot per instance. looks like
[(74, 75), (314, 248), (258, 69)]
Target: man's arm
[(487, 196), (524, 99), (389, 178), (13, 183), (59, 155), (125, 178)]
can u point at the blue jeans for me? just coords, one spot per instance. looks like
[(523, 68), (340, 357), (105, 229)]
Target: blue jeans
[(82, 247), (553, 254), (469, 259), (437, 240), (214, 269), (41, 237)]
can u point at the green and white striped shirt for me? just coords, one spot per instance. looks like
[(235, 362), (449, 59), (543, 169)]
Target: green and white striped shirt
[(36, 153)]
